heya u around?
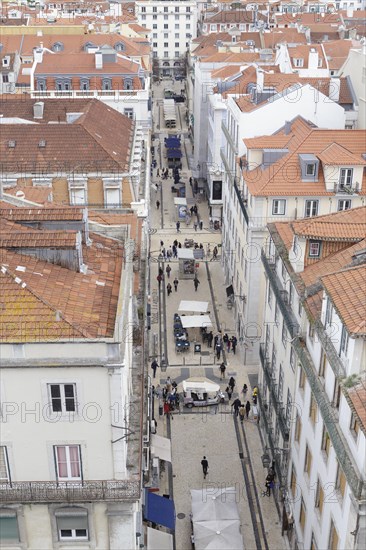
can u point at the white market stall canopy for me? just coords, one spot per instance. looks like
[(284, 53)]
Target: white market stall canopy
[(180, 201), (193, 305), (161, 447), (158, 540), (185, 254), (199, 383), (194, 321)]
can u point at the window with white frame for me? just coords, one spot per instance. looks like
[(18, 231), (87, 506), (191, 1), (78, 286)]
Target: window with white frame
[(77, 196), (344, 204), (298, 62), (345, 177), (72, 523), (278, 207), (128, 112), (62, 397), (328, 312), (310, 169), (4, 465), (9, 531), (343, 347), (311, 208), (68, 462), (314, 249)]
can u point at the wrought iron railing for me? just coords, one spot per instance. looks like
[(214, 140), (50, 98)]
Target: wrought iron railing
[(70, 491), (241, 202), (272, 386), (291, 323), (344, 455), (228, 171), (228, 136), (329, 349)]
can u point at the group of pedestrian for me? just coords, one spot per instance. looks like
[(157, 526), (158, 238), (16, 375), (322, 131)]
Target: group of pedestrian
[(170, 252), (230, 387), (168, 397), (230, 343), (221, 341), (240, 409)]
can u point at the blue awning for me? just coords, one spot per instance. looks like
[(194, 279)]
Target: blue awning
[(172, 143), (174, 154), (159, 510)]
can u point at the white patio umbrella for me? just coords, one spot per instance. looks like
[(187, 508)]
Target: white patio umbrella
[(217, 535)]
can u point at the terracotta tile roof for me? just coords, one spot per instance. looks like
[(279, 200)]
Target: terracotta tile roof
[(83, 63), (230, 16), (307, 18), (100, 139), (55, 110), (13, 235), (302, 52), (314, 304), (281, 36), (231, 57), (23, 214), (356, 397), (348, 225), (225, 72), (86, 302), (337, 51), (347, 290), (279, 141), (38, 195), (305, 140), (335, 154)]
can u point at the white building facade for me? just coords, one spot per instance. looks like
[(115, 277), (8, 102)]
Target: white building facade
[(173, 24)]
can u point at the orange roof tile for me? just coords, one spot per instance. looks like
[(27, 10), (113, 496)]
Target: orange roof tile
[(356, 396), (347, 290), (19, 214), (348, 225), (336, 154)]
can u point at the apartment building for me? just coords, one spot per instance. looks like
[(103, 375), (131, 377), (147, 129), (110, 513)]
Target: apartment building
[(71, 383), (355, 68), (312, 380), (173, 23), (74, 151), (273, 182)]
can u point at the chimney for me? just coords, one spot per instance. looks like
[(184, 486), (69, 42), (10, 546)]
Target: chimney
[(334, 87), (349, 12), (98, 60), (38, 55), (288, 125), (313, 59), (260, 80), (38, 109)]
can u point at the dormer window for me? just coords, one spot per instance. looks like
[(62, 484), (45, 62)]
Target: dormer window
[(84, 84), (314, 249), (345, 177), (309, 165), (119, 47), (57, 47), (128, 84), (298, 62), (106, 84)]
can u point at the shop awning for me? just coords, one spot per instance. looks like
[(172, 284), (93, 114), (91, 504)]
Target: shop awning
[(172, 142), (193, 305), (193, 321), (174, 153), (159, 510), (185, 254), (161, 447), (158, 540)]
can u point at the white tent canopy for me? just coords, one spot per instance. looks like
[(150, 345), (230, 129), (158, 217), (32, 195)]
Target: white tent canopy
[(185, 254), (158, 540), (193, 305), (194, 321), (219, 504), (180, 201), (161, 447), (199, 383)]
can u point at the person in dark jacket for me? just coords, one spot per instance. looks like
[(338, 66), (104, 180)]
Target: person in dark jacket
[(247, 408), (236, 405), (204, 464)]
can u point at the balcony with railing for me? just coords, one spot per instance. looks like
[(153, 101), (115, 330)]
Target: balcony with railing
[(225, 161), (340, 445), (281, 295), (69, 491), (241, 201), (272, 386)]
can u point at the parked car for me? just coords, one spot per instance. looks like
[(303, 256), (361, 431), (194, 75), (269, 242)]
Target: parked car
[(179, 77), (201, 392), (179, 98)]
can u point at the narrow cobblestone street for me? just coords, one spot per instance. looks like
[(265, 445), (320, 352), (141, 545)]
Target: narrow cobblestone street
[(233, 450)]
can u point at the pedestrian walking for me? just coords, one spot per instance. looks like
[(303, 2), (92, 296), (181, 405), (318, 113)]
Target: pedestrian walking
[(169, 289), (196, 283), (168, 270), (154, 366), (229, 392), (234, 343), (236, 404), (222, 370), (159, 279), (209, 339), (204, 464), (228, 344), (216, 339), (244, 391), (157, 205), (175, 283), (232, 382), (190, 182), (158, 173), (195, 226), (179, 245), (215, 252), (178, 226), (242, 413), (218, 351), (201, 225), (225, 338), (247, 408)]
